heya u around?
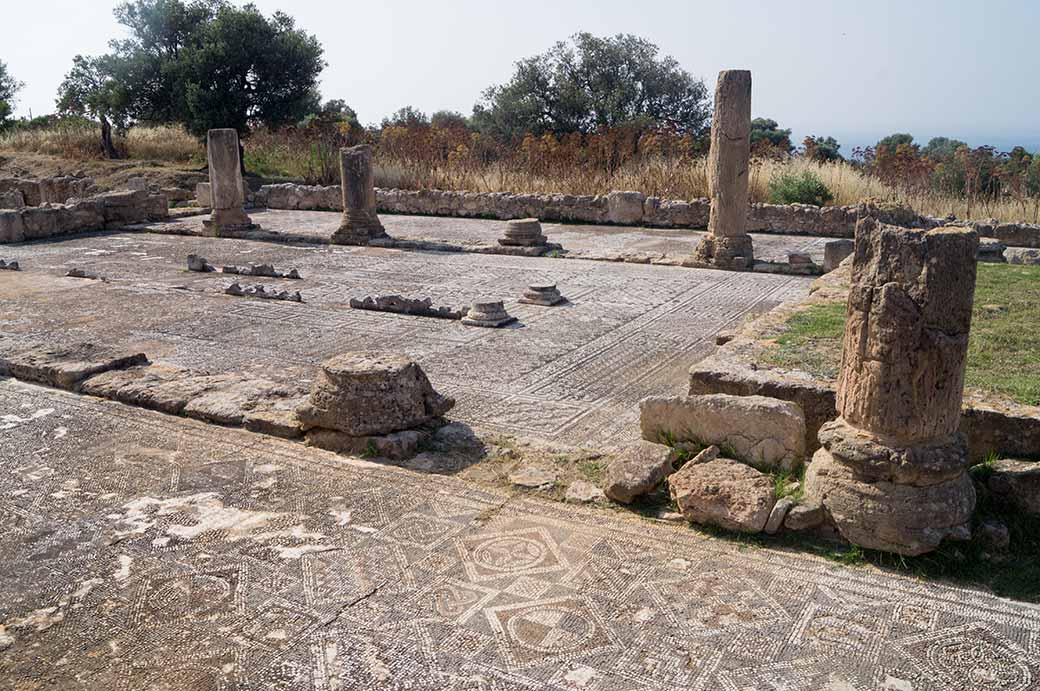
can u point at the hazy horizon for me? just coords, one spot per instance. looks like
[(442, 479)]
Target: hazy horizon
[(955, 69)]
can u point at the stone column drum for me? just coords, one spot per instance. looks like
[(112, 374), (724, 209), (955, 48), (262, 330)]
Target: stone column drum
[(891, 473), (225, 181), (357, 182), (727, 244)]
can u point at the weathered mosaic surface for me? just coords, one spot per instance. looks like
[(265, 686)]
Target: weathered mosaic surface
[(571, 373), (147, 551)]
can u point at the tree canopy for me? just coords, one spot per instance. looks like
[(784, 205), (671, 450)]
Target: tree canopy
[(766, 133), (822, 148), (594, 82), (9, 87), (202, 63)]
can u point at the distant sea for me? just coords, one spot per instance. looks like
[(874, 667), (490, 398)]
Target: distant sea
[(1000, 142)]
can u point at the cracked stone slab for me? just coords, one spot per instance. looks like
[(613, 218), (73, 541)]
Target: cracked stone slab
[(66, 366)]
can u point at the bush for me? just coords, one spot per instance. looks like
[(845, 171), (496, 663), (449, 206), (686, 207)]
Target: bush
[(805, 187)]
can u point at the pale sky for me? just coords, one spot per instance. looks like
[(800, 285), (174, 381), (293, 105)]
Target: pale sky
[(851, 69)]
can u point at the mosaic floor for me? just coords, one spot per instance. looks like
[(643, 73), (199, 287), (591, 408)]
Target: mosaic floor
[(145, 551), (571, 374)]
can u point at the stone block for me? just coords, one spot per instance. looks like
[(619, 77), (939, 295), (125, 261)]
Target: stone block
[(625, 208), (835, 251), (12, 228), (637, 471), (204, 197), (363, 394), (766, 432), (725, 493), (1017, 484)]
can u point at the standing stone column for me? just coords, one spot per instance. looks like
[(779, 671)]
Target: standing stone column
[(891, 473), (225, 182), (360, 222), (727, 244)]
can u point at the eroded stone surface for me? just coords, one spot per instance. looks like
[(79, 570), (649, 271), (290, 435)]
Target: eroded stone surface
[(892, 471), (1017, 483), (360, 222), (765, 432), (66, 366), (637, 470), (725, 493), (366, 393)]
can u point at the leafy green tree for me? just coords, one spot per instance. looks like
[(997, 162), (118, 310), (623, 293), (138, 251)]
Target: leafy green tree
[(201, 63), (892, 142), (406, 117), (449, 119), (766, 134), (9, 88), (823, 149), (941, 148), (93, 89), (590, 83), (246, 69)]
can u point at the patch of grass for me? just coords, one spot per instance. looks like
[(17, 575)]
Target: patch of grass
[(592, 470), (790, 485), (812, 341), (1003, 351)]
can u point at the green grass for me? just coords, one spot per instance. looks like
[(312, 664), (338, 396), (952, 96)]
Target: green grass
[(812, 341), (1003, 352)]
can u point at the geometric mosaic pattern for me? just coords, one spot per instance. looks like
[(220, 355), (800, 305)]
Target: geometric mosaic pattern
[(148, 551), (570, 374)]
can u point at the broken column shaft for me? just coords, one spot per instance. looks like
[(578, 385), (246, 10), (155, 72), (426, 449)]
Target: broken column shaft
[(727, 244), (891, 472), (225, 179), (357, 180)]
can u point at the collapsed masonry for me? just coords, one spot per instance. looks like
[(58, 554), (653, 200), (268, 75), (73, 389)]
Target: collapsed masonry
[(76, 215), (361, 403)]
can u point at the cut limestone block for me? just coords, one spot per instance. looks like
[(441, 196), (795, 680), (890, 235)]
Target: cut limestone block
[(66, 366), (765, 432)]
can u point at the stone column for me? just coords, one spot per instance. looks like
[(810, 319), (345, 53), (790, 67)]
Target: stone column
[(360, 222), (727, 244), (891, 473), (225, 182)]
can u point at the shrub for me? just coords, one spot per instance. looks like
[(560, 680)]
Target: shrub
[(805, 187)]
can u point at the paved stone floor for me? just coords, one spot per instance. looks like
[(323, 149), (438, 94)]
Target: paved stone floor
[(581, 241), (145, 551), (570, 374)]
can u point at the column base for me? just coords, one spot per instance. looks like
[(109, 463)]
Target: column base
[(358, 228), (228, 223), (725, 252), (903, 500)]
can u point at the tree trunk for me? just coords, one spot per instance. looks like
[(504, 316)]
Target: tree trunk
[(242, 157), (106, 139)]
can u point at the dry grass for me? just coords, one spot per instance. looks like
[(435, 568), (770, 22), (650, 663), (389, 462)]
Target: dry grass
[(313, 160), (80, 140)]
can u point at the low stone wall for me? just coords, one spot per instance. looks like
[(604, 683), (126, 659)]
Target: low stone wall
[(16, 193), (108, 210), (631, 208)]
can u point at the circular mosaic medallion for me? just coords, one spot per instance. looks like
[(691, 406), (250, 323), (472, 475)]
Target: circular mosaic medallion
[(509, 553)]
